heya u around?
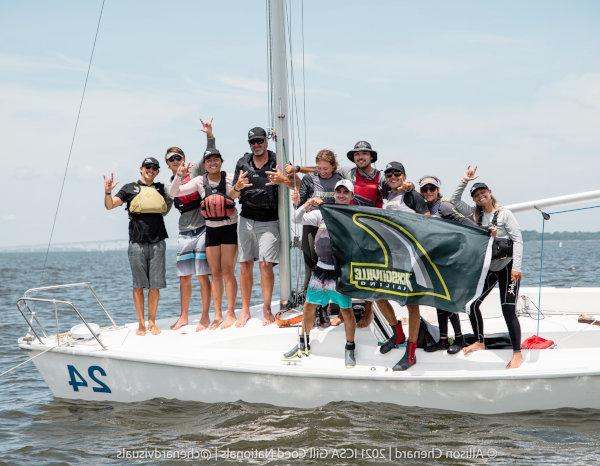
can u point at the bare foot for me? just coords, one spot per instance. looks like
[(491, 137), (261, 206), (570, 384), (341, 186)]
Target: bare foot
[(516, 361), (335, 321), (202, 325), (244, 317), (154, 330), (229, 320), (181, 322), (215, 324), (267, 317), (366, 319), (141, 331), (478, 345)]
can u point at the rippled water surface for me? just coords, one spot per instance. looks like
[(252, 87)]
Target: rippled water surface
[(36, 428)]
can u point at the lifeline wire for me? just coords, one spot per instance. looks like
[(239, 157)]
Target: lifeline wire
[(87, 75)]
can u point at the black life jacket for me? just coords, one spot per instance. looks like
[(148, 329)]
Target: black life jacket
[(216, 205), (189, 201), (259, 196)]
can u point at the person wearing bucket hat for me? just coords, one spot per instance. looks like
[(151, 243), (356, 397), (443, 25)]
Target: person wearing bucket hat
[(146, 203), (429, 187), (505, 267), (258, 226), (367, 180), (191, 238), (220, 215)]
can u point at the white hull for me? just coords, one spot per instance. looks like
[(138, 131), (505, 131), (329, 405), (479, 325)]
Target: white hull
[(245, 364)]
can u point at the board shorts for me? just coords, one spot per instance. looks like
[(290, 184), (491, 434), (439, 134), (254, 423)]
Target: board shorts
[(258, 240), (321, 290), (147, 262), (191, 253)]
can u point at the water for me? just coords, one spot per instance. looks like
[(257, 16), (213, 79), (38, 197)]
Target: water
[(36, 428)]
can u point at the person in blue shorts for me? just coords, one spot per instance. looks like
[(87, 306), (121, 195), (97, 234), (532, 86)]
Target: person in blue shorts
[(321, 287)]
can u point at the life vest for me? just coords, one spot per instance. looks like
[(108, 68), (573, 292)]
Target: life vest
[(217, 205), (149, 200), (366, 191), (259, 196), (189, 201)]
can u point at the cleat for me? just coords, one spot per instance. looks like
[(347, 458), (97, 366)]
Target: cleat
[(350, 358)]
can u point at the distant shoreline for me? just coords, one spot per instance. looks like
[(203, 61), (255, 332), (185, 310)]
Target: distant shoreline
[(121, 244)]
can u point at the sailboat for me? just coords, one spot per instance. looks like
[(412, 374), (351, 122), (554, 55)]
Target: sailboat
[(110, 363)]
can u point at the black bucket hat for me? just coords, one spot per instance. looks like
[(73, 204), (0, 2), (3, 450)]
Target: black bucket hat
[(362, 146)]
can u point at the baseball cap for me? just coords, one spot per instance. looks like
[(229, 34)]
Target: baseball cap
[(394, 166), (346, 184), (210, 152), (434, 180), (256, 133), (477, 186), (150, 161)]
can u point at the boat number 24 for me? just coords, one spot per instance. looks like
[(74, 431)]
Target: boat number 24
[(76, 380)]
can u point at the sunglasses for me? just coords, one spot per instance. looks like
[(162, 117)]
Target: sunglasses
[(173, 158), (428, 189), (397, 174), (151, 167), (256, 141)]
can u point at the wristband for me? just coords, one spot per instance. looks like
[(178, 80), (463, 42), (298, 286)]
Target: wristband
[(107, 194), (297, 168)]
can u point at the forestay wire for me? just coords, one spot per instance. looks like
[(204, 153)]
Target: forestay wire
[(62, 186)]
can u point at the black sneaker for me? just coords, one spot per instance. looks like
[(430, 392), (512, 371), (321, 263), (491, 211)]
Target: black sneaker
[(437, 346), (298, 351), (456, 345)]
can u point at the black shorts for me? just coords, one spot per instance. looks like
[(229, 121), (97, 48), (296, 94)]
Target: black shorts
[(216, 236)]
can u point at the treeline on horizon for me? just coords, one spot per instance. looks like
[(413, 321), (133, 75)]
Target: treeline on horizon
[(532, 235)]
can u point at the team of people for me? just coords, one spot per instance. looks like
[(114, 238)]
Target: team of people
[(212, 234)]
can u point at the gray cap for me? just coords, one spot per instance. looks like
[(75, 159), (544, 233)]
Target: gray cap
[(257, 133)]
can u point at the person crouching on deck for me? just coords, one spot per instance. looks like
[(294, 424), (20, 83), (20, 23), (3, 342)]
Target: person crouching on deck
[(321, 287)]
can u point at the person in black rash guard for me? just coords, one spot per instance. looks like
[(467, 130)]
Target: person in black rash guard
[(439, 207), (258, 225), (147, 203), (505, 271)]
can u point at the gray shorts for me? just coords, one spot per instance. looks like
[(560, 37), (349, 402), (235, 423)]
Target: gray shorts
[(147, 261), (258, 240)]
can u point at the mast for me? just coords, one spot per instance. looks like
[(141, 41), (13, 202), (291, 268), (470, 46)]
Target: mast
[(554, 201), (279, 111)]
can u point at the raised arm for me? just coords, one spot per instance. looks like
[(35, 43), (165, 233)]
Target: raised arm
[(110, 201), (456, 198)]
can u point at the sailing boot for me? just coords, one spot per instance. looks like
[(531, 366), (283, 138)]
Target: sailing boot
[(349, 354), (409, 358), (298, 351), (395, 340), (440, 345), (456, 345)]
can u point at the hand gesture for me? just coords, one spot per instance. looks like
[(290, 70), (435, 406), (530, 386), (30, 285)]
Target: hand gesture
[(184, 169), (407, 186), (289, 169), (470, 173), (295, 197), (242, 181), (514, 275), (207, 127), (315, 201), (109, 183), (276, 177)]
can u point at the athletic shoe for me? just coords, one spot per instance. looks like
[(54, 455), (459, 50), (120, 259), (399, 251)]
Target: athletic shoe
[(298, 351)]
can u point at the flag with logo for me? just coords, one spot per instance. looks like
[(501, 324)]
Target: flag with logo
[(407, 257)]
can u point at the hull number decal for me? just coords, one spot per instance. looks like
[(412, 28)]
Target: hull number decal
[(76, 380)]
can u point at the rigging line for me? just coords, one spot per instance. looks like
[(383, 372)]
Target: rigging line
[(303, 84), (293, 89), (289, 84), (26, 361), (87, 75), (269, 65)]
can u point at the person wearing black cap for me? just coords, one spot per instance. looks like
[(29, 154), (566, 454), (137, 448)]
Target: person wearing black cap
[(258, 226), (505, 267), (440, 207), (401, 197), (147, 203), (191, 250), (220, 214)]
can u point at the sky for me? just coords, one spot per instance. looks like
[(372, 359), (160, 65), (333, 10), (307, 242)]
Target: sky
[(512, 87)]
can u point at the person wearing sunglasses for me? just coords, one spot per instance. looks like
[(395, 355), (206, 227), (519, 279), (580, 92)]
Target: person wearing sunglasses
[(258, 225), (191, 239), (146, 203), (403, 198), (439, 207), (505, 268)]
